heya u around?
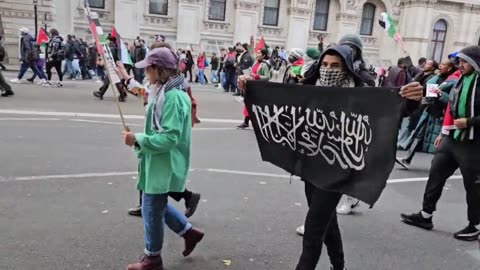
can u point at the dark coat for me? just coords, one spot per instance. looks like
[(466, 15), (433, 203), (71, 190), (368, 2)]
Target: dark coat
[(27, 51)]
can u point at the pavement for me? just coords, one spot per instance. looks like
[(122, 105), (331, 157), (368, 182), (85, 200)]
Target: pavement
[(66, 182)]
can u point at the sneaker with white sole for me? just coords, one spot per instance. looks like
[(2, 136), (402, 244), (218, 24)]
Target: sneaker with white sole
[(470, 233), (42, 82), (402, 162), (16, 80), (301, 230), (347, 207)]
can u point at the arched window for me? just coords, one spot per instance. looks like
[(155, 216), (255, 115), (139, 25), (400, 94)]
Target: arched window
[(270, 12), (217, 10), (320, 22), (96, 3), (368, 16), (159, 7), (438, 40)]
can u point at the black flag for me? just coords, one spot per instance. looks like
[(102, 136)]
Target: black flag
[(339, 139)]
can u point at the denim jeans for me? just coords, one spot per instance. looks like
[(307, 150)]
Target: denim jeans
[(156, 211), (70, 69), (24, 67), (222, 78), (214, 76), (201, 76)]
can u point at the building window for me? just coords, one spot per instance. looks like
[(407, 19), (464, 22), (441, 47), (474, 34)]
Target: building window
[(438, 40), (217, 10), (368, 16), (97, 4), (159, 7), (320, 21), (270, 12)]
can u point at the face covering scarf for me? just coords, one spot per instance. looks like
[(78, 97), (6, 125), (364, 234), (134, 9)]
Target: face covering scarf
[(333, 78)]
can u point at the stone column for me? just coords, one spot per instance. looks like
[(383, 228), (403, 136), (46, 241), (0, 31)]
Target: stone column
[(298, 27), (416, 30), (126, 18), (189, 18), (347, 23), (246, 20)]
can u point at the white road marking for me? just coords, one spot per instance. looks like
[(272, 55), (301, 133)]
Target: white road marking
[(104, 122), (104, 115), (28, 119), (211, 170)]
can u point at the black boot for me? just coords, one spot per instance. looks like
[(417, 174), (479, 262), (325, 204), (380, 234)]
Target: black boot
[(8, 93), (136, 212), (98, 95)]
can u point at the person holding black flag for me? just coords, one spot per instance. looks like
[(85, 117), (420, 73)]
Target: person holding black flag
[(321, 226)]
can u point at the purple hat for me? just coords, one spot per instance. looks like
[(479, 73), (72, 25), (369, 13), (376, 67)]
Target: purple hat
[(161, 57)]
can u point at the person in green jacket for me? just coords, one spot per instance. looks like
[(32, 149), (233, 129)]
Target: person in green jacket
[(163, 150)]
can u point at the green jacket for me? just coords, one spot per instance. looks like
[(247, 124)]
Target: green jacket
[(264, 72), (164, 147)]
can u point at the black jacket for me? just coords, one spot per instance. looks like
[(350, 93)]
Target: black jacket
[(71, 50), (246, 62), (139, 54), (27, 51), (56, 49)]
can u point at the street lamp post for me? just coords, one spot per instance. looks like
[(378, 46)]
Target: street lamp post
[(35, 2)]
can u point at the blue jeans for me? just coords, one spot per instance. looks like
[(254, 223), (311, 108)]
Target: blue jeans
[(26, 65), (222, 78), (214, 76), (201, 76), (156, 211), (70, 69)]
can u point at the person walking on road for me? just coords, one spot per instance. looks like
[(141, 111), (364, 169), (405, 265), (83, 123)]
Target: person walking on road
[(457, 148), (5, 88), (56, 54), (28, 57), (164, 151)]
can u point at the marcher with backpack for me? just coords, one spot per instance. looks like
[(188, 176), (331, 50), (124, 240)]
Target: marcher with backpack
[(56, 54), (28, 57), (230, 71)]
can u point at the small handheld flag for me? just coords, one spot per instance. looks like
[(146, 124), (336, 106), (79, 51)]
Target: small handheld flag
[(386, 22), (42, 37)]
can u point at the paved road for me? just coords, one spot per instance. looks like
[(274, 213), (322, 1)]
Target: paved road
[(66, 181)]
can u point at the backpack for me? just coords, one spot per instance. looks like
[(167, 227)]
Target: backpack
[(229, 63), (58, 51)]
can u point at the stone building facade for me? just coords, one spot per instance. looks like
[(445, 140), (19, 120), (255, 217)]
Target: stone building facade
[(431, 28)]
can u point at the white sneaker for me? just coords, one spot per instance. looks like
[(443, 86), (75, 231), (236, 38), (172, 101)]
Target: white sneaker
[(42, 82), (301, 230), (345, 209), (16, 80)]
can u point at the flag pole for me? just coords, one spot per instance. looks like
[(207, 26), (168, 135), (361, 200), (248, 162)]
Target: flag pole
[(89, 14)]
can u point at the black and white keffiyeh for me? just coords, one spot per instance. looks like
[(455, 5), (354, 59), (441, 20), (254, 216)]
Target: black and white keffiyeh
[(333, 78)]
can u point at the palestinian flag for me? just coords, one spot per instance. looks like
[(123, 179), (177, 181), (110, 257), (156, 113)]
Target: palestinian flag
[(97, 31), (123, 50), (386, 22), (42, 37), (261, 45)]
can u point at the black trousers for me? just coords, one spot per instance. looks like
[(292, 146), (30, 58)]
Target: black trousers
[(177, 196), (58, 67), (4, 86), (82, 62), (106, 85), (321, 226), (450, 156)]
